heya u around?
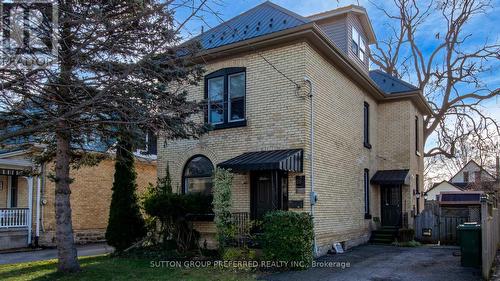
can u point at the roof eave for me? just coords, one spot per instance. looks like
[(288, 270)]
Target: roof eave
[(316, 37)]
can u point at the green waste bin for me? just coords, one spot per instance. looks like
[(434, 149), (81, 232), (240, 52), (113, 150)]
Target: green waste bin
[(469, 236)]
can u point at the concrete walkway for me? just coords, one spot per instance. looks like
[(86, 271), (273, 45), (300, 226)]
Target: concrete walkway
[(378, 262), (47, 254)]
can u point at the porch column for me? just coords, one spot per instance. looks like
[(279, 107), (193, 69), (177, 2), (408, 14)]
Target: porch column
[(30, 206)]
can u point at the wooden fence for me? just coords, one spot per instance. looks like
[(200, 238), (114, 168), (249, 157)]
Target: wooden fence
[(490, 231), (431, 226)]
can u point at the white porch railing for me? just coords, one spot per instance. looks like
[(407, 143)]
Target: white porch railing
[(14, 217)]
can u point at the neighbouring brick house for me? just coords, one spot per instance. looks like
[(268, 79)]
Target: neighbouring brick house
[(304, 125), (27, 203)]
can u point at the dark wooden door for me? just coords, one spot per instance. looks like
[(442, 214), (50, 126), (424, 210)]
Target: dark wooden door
[(262, 194), (391, 205)]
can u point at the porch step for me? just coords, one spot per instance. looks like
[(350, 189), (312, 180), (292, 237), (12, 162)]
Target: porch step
[(385, 235)]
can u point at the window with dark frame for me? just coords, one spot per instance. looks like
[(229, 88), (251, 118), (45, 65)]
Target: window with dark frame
[(466, 176), (417, 189), (225, 92), (367, 193), (198, 175), (366, 125), (14, 192), (477, 176), (417, 136)]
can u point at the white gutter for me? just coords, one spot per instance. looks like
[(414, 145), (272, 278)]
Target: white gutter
[(313, 196)]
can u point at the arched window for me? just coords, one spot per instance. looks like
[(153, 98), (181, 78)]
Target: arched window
[(197, 175)]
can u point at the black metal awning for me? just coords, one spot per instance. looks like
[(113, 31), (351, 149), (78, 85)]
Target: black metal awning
[(284, 160), (390, 177)]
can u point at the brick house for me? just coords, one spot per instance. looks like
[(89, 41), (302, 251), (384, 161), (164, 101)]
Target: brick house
[(27, 203), (304, 125)]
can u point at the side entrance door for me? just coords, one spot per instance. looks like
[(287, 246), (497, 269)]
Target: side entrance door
[(391, 205), (262, 194)]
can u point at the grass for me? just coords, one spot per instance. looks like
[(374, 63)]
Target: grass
[(114, 268)]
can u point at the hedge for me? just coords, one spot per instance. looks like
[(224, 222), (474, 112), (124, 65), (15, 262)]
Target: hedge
[(288, 237)]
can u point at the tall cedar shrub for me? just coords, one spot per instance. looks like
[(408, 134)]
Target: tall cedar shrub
[(288, 236), (223, 182), (126, 224)]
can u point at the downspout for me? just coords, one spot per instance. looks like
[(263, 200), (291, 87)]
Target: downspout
[(38, 186), (313, 197)]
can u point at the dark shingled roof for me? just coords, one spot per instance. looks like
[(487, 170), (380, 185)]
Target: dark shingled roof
[(389, 177), (261, 20), (285, 160), (390, 84)]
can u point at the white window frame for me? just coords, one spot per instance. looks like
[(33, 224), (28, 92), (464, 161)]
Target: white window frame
[(360, 43), (210, 100), (229, 96)]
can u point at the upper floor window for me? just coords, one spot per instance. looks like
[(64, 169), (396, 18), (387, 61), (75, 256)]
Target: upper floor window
[(225, 91), (148, 144), (466, 176), (417, 136), (366, 125), (477, 176), (358, 44), (197, 175)]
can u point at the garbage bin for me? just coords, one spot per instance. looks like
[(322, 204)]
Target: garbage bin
[(469, 236)]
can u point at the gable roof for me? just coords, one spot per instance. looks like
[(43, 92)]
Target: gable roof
[(390, 84), (263, 19), (445, 181), (355, 9), (480, 169)]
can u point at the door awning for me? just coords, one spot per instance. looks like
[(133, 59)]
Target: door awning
[(284, 160), (391, 177)]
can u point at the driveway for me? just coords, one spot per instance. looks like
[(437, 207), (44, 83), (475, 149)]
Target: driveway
[(47, 254), (378, 262)]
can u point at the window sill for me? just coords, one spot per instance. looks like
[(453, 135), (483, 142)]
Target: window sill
[(367, 145), (228, 125), (368, 217)]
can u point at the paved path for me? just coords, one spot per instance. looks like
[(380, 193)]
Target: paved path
[(377, 263), (47, 254)]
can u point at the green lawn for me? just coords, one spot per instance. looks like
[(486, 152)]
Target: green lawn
[(110, 268)]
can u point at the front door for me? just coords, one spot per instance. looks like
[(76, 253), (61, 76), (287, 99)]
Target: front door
[(391, 205), (262, 187), (269, 191)]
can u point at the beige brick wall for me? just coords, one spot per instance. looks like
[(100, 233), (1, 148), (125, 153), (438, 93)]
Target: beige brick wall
[(340, 156), (275, 118), (90, 199), (278, 118)]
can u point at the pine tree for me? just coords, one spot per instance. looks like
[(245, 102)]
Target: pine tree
[(126, 224)]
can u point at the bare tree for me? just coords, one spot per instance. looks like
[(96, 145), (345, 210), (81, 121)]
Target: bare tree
[(120, 64), (449, 72)]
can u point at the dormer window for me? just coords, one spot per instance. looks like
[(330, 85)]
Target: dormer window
[(358, 44)]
